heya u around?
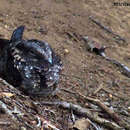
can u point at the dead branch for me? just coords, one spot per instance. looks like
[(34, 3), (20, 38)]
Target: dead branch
[(116, 36), (96, 127), (125, 70), (73, 36), (18, 114), (100, 50), (98, 89), (49, 125), (6, 110), (5, 123), (111, 113), (85, 112), (14, 114), (45, 123)]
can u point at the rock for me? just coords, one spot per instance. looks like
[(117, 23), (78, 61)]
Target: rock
[(6, 26), (110, 95), (66, 51), (23, 128), (129, 108)]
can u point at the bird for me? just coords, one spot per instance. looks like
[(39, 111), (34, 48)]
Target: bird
[(94, 46), (30, 65)]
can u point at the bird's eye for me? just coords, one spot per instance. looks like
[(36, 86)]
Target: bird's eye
[(32, 53)]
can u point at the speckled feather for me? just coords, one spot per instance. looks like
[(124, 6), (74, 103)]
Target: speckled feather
[(31, 65)]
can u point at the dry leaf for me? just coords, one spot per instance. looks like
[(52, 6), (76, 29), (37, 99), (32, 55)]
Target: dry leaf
[(6, 94), (82, 124)]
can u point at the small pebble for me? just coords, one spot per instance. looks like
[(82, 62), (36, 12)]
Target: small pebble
[(86, 104), (129, 108), (110, 95), (103, 94), (66, 51), (6, 26), (23, 128)]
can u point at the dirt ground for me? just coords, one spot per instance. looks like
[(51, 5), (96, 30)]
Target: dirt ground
[(62, 23)]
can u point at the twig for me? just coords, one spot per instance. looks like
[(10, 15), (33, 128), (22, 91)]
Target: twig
[(47, 124), (8, 111), (68, 90), (13, 113), (73, 36), (115, 94), (96, 127), (116, 36), (112, 114), (125, 70), (98, 89), (5, 123), (101, 51), (17, 115), (85, 112), (69, 75), (39, 122), (76, 77)]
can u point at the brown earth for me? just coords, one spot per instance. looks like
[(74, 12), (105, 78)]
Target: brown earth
[(62, 23)]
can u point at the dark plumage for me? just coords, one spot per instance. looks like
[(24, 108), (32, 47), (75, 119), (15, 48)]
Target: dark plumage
[(30, 65)]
